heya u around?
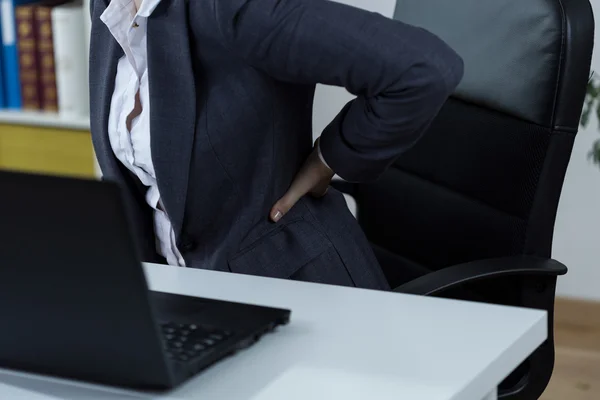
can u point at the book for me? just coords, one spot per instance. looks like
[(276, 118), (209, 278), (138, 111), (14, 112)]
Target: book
[(87, 23), (70, 54), (11, 83), (45, 54), (28, 59), (2, 96), (10, 54)]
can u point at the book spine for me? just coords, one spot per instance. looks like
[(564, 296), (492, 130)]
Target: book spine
[(45, 51), (12, 86), (87, 25), (28, 60), (68, 23), (2, 94)]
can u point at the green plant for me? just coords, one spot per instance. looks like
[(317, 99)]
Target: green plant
[(592, 105)]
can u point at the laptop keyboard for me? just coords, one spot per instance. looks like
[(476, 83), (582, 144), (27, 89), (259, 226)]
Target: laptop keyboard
[(184, 342)]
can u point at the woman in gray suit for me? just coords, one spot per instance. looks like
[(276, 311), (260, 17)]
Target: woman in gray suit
[(201, 110)]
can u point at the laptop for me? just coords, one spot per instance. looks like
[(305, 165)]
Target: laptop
[(74, 302)]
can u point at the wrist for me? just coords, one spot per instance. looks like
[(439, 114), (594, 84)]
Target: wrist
[(321, 156)]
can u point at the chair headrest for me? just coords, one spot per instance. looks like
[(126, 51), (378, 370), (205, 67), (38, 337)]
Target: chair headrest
[(520, 56)]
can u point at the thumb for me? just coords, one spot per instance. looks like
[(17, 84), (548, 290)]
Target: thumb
[(300, 186), (284, 205)]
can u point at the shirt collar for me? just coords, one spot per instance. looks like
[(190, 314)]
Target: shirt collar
[(119, 10), (147, 7)]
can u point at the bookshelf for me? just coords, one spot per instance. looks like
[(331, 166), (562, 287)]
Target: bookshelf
[(47, 150), (43, 120), (46, 142)]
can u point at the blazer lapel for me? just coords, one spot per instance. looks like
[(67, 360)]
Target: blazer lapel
[(105, 53), (172, 104)]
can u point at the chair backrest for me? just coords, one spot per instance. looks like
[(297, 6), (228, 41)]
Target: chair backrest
[(486, 178)]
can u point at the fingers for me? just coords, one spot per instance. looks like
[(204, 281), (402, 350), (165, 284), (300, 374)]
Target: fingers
[(313, 178), (302, 184)]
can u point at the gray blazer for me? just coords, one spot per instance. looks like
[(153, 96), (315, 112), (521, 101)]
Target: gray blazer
[(231, 88)]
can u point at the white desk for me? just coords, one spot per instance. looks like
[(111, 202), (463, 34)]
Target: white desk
[(341, 344)]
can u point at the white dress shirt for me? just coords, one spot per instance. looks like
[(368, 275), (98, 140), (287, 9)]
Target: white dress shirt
[(129, 118)]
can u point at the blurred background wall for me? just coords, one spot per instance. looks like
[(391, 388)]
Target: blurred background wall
[(577, 231)]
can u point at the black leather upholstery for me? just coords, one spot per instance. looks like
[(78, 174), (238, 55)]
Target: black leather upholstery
[(485, 180), (518, 54), (466, 189), (578, 20)]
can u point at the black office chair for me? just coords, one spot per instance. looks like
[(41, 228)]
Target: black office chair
[(469, 212)]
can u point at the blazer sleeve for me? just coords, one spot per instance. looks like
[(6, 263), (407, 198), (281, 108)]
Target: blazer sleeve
[(401, 74)]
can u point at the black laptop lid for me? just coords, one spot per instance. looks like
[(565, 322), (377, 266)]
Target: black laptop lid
[(73, 297)]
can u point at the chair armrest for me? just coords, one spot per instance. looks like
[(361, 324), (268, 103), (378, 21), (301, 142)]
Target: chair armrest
[(457, 275)]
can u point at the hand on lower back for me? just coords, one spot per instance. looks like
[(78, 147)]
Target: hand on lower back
[(312, 179)]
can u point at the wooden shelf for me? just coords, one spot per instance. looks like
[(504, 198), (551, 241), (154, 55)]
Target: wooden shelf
[(41, 119), (47, 150)]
